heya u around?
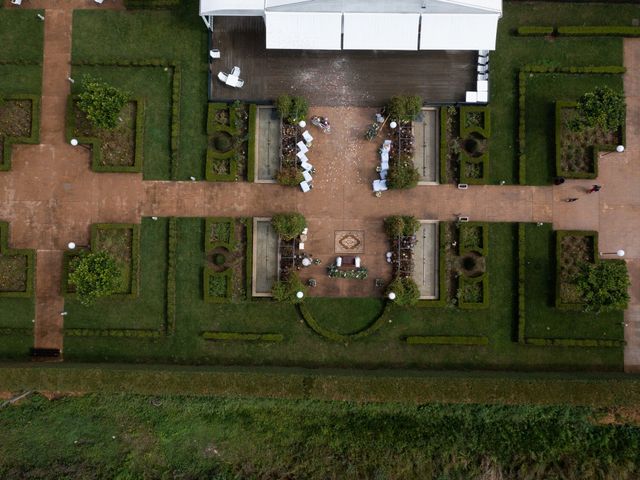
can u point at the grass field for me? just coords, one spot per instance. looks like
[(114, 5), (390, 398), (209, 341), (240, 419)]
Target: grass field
[(514, 52), (178, 37), (124, 436)]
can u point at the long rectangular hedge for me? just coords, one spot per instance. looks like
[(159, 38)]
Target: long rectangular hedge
[(599, 31), (444, 148), (32, 139), (251, 154), (446, 340), (243, 337)]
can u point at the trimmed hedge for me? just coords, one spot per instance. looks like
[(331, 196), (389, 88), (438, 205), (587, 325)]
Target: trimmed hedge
[(522, 87), (483, 280), (30, 256), (251, 155), (151, 4), (560, 235), (176, 89), (484, 236), (248, 258), (370, 329), (485, 132), (243, 337), (226, 276), (32, 139), (575, 342), (446, 340), (522, 286), (96, 144), (534, 31), (209, 225), (599, 31), (172, 245), (112, 332), (444, 147)]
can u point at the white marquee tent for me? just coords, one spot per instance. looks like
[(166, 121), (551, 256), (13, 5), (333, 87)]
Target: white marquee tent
[(368, 24)]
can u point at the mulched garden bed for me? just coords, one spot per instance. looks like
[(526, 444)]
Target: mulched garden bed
[(118, 144), (577, 146), (15, 119), (575, 250), (13, 273), (117, 242)]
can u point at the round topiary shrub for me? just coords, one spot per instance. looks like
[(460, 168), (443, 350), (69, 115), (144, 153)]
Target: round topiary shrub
[(472, 264), (219, 259), (222, 142)]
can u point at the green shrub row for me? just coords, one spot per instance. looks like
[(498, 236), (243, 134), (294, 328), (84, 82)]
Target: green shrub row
[(600, 31), (212, 157), (560, 235), (30, 256), (112, 332), (251, 154), (522, 87), (20, 62), (151, 4), (243, 337), (15, 332), (248, 258), (209, 223), (580, 31), (446, 340), (96, 144), (225, 276), (176, 86), (172, 245), (522, 284), (484, 131), (574, 342), (32, 139), (533, 31), (368, 330), (442, 272), (444, 147)]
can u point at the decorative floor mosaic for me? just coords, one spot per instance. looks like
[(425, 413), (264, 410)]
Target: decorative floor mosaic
[(349, 241)]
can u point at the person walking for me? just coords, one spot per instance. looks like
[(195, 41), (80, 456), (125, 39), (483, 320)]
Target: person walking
[(595, 188), (572, 199)]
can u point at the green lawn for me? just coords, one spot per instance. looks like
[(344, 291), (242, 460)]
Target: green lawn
[(177, 37), (513, 52), (301, 345), (21, 37), (126, 436)]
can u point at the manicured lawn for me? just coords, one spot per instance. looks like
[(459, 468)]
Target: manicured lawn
[(304, 347), (514, 52), (126, 436), (178, 37), (21, 37)]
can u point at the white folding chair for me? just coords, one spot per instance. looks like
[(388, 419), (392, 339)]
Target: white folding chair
[(307, 176), (302, 147), (307, 137), (16, 2), (235, 71), (223, 77), (302, 157), (483, 97), (483, 76), (239, 83), (306, 166), (471, 97), (483, 86), (214, 53), (305, 186), (483, 68)]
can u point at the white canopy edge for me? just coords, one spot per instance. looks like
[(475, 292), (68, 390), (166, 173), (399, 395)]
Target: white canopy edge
[(304, 30), (381, 31), (459, 31), (232, 7)]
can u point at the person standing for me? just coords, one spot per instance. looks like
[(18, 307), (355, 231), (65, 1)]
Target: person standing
[(595, 188)]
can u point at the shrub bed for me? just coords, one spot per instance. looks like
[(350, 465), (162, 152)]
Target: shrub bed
[(19, 123), (17, 268), (599, 31), (219, 232), (446, 340), (535, 31), (172, 244), (115, 150), (218, 286), (572, 249), (243, 337), (225, 244)]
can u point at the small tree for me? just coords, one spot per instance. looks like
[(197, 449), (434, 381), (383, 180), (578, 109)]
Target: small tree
[(284, 105), (406, 290), (394, 226), (403, 175), (299, 109), (411, 225), (404, 107), (286, 290), (288, 225), (94, 275), (289, 176), (101, 102), (604, 285), (603, 108)]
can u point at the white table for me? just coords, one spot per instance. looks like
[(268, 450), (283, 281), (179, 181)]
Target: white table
[(471, 97), (483, 97), (379, 185)]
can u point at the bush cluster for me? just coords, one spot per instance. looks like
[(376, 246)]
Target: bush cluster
[(292, 109), (286, 290), (288, 225), (401, 225), (94, 275), (602, 108), (101, 102), (403, 174), (406, 290), (604, 285), (404, 108)]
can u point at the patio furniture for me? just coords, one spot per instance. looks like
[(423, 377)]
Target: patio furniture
[(386, 145), (483, 85), (214, 53), (384, 173), (357, 262), (483, 60), (307, 176), (305, 186), (223, 77), (305, 231), (235, 71), (483, 68), (239, 83), (307, 137), (302, 147), (384, 157), (471, 97), (16, 2), (338, 261), (99, 2), (483, 53), (379, 185), (483, 97), (483, 76), (306, 166), (303, 157), (301, 246), (232, 81)]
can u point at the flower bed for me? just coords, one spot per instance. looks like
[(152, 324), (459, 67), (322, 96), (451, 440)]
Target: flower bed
[(17, 268), (19, 122), (359, 273), (573, 248)]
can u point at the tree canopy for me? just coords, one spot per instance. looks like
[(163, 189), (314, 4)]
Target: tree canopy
[(101, 102), (604, 285), (94, 275), (604, 108)]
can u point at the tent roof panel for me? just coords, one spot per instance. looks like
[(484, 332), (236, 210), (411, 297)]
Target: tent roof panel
[(459, 31), (378, 31), (304, 30)]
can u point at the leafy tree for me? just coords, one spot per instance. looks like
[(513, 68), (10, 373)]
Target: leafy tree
[(394, 225), (603, 108), (101, 102), (411, 225), (288, 225), (284, 105), (94, 275), (406, 290), (604, 285), (289, 176), (404, 107), (299, 109), (286, 290)]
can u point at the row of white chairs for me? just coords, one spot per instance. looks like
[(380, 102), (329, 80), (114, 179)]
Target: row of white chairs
[(307, 168), (481, 93)]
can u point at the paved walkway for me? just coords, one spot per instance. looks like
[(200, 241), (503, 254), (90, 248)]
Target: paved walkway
[(51, 196)]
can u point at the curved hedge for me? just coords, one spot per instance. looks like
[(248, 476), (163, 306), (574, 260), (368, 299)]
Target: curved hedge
[(340, 337)]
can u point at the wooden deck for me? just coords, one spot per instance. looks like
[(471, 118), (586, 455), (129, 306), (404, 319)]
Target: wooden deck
[(358, 78)]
